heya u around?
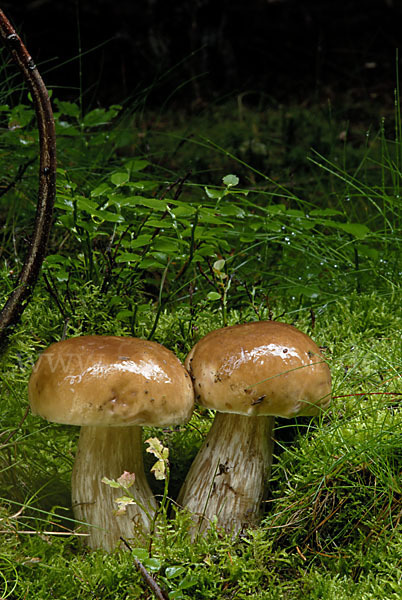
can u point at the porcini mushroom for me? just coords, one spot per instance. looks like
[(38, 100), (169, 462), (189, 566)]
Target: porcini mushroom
[(110, 386), (249, 374)]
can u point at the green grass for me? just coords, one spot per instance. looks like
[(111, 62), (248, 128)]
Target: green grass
[(311, 238), (332, 522)]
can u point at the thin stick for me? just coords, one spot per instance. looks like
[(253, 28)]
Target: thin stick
[(19, 298), (149, 580)]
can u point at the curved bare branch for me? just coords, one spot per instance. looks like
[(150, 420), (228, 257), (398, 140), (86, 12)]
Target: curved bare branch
[(19, 298)]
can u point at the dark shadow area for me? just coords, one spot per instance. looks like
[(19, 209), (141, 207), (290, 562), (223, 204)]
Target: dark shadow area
[(202, 50)]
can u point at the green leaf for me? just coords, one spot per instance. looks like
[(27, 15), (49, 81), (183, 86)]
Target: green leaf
[(172, 572), (122, 315), (137, 164), (231, 210), (358, 230), (188, 582), (95, 117), (120, 178), (127, 257), (230, 180), (91, 208), (100, 190), (151, 263), (153, 203), (207, 216), (214, 194), (213, 296), (110, 482), (67, 108), (152, 564), (184, 211), (219, 264), (140, 554), (100, 116), (169, 245)]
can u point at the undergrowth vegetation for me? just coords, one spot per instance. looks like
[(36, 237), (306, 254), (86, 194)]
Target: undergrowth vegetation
[(167, 229)]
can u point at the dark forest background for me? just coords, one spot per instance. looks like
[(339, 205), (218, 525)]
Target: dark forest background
[(195, 51)]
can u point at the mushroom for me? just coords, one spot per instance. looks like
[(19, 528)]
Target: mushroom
[(249, 374), (110, 386)]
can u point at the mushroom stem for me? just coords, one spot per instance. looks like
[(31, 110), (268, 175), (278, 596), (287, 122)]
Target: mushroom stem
[(108, 452), (228, 477)]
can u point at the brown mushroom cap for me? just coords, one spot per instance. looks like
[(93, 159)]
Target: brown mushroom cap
[(106, 380), (260, 368)]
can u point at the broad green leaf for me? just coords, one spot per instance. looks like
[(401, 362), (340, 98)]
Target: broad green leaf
[(140, 241), (137, 164), (213, 296), (151, 263), (120, 178), (172, 572), (95, 117), (231, 210), (164, 244), (56, 259), (140, 554), (219, 264), (293, 212), (122, 315), (67, 108), (153, 203), (358, 230), (214, 194), (100, 116), (230, 180), (367, 251), (91, 208), (275, 209), (188, 582), (184, 211), (207, 216), (152, 564), (127, 257), (159, 224), (100, 190)]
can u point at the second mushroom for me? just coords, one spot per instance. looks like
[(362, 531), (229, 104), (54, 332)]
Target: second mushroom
[(249, 374)]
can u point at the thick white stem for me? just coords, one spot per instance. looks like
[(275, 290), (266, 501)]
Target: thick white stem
[(108, 452), (228, 476)]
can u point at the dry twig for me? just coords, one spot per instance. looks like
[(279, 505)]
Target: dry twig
[(19, 298)]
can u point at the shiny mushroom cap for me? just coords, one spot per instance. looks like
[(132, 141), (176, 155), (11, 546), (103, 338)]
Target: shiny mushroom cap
[(110, 381), (260, 368)]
